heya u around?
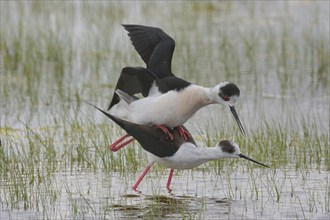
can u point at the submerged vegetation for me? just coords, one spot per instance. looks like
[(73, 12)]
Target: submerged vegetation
[(54, 157)]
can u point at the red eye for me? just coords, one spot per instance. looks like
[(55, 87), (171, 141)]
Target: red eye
[(226, 98)]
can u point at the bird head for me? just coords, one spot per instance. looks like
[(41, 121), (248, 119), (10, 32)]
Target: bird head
[(227, 94), (230, 149)]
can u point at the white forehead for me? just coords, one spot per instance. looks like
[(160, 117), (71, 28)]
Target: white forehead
[(237, 149), (233, 100)]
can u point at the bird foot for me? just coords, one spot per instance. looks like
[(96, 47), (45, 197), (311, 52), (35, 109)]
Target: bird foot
[(165, 130), (183, 132), (169, 190), (137, 191), (115, 147)]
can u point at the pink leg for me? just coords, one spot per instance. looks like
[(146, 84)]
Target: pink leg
[(114, 147), (141, 177), (169, 181), (165, 130), (183, 132)]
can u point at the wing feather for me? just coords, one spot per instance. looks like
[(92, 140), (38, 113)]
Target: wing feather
[(133, 80), (154, 46)]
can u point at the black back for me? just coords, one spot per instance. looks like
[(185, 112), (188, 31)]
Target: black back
[(171, 83), (152, 139), (135, 80), (154, 46)]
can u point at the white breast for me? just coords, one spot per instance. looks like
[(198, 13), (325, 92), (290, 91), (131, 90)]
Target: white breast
[(171, 109)]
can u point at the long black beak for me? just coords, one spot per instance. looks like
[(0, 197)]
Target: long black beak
[(233, 110), (248, 158)]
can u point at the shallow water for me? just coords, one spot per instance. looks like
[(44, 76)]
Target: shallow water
[(196, 195), (54, 163)]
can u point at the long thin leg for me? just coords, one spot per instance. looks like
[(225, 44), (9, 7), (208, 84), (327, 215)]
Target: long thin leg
[(165, 130), (114, 147), (183, 132), (141, 177), (169, 181)]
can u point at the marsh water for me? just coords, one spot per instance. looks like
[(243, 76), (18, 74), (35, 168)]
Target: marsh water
[(55, 163)]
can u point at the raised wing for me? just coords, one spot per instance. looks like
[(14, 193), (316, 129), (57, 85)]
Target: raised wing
[(133, 80), (154, 46)]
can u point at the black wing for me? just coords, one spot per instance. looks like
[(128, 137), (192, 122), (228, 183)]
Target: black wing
[(133, 80), (171, 83), (154, 46), (151, 138)]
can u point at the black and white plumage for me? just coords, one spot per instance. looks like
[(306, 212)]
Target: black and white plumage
[(177, 153), (169, 100)]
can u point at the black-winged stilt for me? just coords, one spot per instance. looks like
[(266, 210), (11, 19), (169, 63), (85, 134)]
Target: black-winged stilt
[(170, 101), (176, 153)]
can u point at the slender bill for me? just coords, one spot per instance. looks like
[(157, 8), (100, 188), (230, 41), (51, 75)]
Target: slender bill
[(248, 158), (233, 110)]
